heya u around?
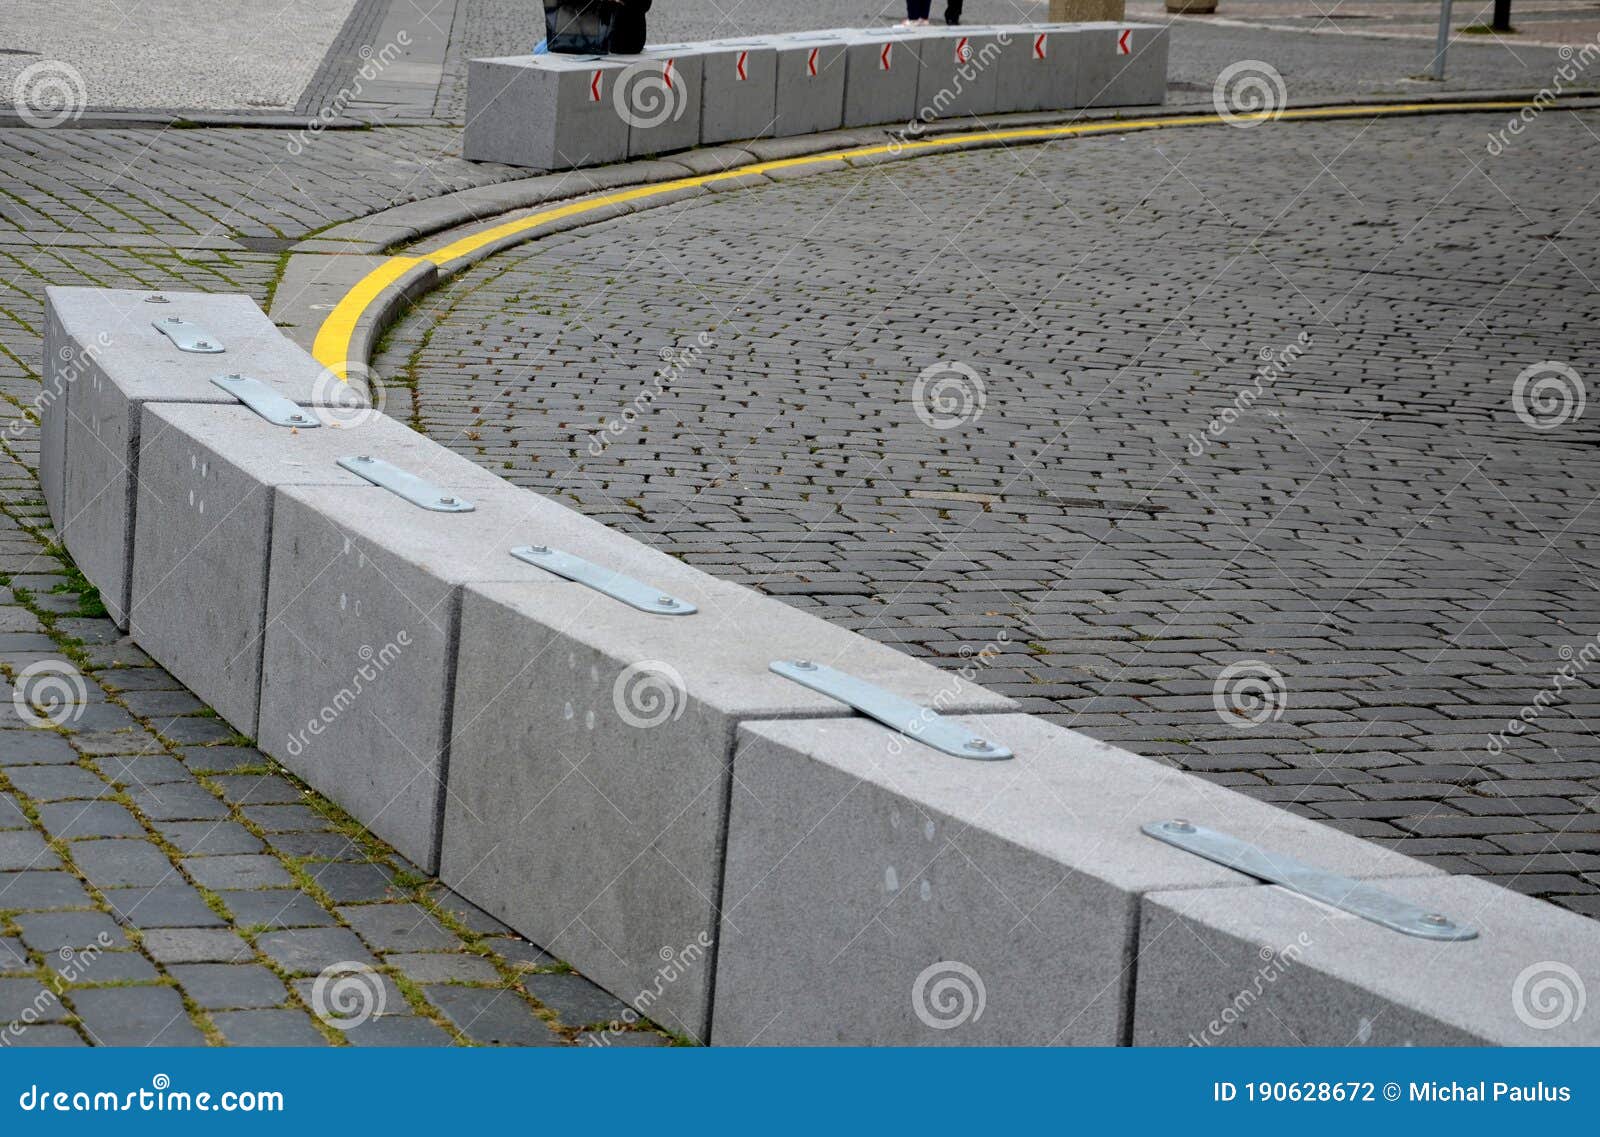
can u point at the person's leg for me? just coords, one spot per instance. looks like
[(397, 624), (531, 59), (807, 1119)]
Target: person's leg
[(918, 9), (952, 12)]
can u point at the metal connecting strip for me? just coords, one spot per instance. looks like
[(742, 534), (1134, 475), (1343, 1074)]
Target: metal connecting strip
[(405, 484), (634, 593), (1353, 896), (913, 720), (275, 408), (188, 337)]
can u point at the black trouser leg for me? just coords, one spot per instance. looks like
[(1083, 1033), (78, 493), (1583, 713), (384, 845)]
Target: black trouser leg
[(952, 12)]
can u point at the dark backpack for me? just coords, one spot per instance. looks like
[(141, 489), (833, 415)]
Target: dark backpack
[(595, 27)]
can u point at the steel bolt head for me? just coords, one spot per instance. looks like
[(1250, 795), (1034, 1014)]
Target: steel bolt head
[(156, 300), (540, 549), (447, 501), (1438, 920), (666, 602), (1179, 825), (805, 665), (980, 745)]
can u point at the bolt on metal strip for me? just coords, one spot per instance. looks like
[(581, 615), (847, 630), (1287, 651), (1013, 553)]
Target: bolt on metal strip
[(634, 593), (188, 336), (417, 491), (1353, 896), (913, 720), (275, 408)]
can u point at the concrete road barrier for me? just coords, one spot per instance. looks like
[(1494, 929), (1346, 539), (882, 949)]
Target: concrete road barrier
[(1037, 70), (116, 363), (358, 665), (1266, 967), (1120, 65), (871, 880), (739, 90), (658, 94), (207, 477), (959, 72), (590, 771), (811, 78), (550, 112), (881, 75), (545, 112)]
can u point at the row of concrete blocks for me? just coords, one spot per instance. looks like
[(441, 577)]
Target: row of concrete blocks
[(555, 112), (735, 855)]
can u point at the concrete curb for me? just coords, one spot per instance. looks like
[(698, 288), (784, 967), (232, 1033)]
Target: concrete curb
[(638, 782)]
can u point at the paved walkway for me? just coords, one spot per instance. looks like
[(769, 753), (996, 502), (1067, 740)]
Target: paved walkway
[(1214, 433)]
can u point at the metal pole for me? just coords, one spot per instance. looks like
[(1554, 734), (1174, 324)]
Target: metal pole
[(1444, 39)]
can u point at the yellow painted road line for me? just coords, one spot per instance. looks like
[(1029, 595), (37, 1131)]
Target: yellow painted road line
[(332, 346)]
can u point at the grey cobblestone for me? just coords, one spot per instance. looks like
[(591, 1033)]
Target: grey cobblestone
[(1378, 526)]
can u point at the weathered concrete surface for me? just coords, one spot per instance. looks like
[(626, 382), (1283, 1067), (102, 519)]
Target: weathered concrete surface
[(860, 865), (1266, 967)]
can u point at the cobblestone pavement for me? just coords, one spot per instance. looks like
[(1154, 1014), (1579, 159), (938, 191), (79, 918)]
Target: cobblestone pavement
[(1331, 598), (160, 881)]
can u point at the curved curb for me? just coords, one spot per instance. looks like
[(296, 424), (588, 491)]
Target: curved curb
[(349, 333)]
